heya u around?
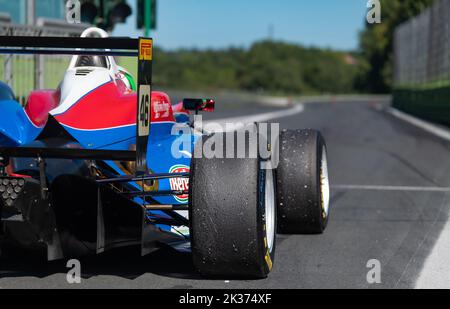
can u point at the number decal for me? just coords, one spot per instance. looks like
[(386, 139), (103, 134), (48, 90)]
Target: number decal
[(144, 110)]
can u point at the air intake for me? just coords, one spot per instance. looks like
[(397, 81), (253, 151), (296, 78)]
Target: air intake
[(83, 72)]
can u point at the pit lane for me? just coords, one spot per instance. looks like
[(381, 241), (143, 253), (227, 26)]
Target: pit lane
[(372, 156)]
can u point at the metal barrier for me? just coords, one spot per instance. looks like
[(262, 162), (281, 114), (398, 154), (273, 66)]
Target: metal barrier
[(27, 72), (422, 64), (422, 49)]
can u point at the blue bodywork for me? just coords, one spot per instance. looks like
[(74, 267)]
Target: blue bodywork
[(170, 144), (15, 127)]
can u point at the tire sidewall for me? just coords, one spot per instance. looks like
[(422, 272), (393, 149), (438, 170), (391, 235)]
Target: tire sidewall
[(228, 228), (300, 196)]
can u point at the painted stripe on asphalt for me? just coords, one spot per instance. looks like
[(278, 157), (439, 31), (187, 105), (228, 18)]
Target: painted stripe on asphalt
[(236, 123), (425, 125), (391, 188), (435, 273)]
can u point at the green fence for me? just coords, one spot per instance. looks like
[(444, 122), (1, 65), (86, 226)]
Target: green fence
[(430, 104)]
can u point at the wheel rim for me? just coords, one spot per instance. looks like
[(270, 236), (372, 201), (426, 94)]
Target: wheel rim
[(270, 209), (324, 183)]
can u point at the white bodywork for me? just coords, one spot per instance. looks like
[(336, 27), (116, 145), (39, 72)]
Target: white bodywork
[(80, 80)]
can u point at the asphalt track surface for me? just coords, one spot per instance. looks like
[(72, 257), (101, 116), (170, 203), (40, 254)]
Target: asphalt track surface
[(389, 202)]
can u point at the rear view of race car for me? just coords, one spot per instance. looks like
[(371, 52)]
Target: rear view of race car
[(94, 165)]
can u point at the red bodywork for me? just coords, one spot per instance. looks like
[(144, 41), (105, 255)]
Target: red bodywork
[(40, 103), (108, 106)]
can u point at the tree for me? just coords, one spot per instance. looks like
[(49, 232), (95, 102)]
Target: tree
[(376, 44), (267, 66)]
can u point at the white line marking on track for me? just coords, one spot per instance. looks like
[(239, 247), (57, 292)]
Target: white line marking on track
[(298, 108), (391, 188), (237, 123), (435, 273), (425, 125)]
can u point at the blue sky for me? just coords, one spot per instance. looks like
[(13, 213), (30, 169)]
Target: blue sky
[(222, 23)]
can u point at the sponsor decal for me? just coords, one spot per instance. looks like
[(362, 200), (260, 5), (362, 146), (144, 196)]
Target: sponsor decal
[(180, 183), (161, 109), (145, 49)]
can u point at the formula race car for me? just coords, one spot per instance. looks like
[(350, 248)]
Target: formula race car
[(96, 165)]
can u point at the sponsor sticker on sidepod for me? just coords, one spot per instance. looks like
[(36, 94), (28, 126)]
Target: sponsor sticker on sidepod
[(181, 184)]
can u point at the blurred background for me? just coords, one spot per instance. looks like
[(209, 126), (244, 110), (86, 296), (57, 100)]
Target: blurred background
[(286, 48)]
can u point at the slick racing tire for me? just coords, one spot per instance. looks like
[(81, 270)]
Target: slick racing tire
[(302, 182), (233, 215)]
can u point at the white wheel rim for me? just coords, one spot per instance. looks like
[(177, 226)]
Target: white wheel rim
[(324, 183), (270, 209)]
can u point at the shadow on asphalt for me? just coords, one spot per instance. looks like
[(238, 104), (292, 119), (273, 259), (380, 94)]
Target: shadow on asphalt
[(124, 262)]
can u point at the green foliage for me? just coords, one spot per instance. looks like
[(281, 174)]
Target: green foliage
[(376, 43), (267, 66)]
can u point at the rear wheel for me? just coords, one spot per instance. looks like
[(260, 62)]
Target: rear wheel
[(303, 185), (233, 216)]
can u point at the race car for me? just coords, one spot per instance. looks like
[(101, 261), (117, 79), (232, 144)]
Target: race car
[(95, 165)]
